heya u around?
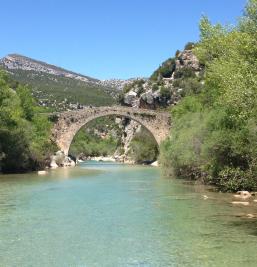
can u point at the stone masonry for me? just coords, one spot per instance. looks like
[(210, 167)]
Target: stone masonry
[(68, 123)]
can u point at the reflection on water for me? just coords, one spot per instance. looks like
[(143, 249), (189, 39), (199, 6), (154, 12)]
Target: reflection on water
[(107, 214)]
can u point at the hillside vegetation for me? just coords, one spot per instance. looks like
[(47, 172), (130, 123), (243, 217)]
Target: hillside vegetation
[(57, 88), (100, 137), (171, 81), (214, 134), (24, 133), (59, 92)]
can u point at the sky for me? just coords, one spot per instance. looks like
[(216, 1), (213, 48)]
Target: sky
[(107, 38)]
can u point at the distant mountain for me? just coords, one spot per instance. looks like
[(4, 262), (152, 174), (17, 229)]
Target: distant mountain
[(58, 88)]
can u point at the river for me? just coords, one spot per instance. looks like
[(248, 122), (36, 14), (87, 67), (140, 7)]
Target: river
[(108, 214)]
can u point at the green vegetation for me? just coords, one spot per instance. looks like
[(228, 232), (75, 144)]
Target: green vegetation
[(100, 137), (189, 46), (214, 134), (24, 134), (143, 147), (165, 70), (57, 92)]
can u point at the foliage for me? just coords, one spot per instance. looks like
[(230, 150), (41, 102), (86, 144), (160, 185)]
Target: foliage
[(184, 73), (165, 92), (189, 46), (100, 137), (165, 70), (214, 132), (57, 92), (24, 134), (189, 86), (143, 147)]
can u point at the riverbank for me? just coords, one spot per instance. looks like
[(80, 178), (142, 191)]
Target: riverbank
[(117, 159)]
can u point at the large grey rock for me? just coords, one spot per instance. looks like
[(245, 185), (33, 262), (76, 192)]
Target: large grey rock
[(187, 59), (148, 97), (61, 160), (130, 98)]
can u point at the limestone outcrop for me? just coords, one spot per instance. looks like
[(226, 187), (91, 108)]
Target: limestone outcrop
[(61, 160), (167, 88)]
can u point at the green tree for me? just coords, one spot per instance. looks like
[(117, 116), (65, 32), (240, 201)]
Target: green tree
[(214, 132)]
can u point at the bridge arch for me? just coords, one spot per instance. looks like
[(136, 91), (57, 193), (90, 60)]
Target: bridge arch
[(70, 122)]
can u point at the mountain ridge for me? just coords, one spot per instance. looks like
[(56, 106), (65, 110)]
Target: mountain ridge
[(58, 88), (18, 61)]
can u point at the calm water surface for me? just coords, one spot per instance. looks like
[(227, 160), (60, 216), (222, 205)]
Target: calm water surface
[(101, 214)]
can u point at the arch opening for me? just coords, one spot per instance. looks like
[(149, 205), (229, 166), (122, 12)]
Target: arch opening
[(121, 137)]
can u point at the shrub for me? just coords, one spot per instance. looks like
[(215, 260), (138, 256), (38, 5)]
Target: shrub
[(189, 46), (165, 92), (184, 73), (234, 179)]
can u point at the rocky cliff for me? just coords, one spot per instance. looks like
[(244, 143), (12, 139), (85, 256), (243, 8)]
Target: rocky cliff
[(175, 78)]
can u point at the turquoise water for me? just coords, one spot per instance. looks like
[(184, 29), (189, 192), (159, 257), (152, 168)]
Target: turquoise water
[(105, 214)]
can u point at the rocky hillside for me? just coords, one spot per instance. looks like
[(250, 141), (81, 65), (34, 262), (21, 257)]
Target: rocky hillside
[(176, 77), (15, 62), (56, 87)]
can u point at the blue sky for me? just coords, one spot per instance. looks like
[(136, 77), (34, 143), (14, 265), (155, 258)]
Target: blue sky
[(107, 39)]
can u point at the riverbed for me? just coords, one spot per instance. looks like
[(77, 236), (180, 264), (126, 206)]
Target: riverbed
[(110, 214)]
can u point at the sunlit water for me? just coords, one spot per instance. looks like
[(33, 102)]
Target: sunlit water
[(101, 214)]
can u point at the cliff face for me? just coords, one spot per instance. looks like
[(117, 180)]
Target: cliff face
[(168, 84)]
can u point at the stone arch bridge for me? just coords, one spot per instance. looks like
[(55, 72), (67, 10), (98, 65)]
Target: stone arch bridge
[(68, 123)]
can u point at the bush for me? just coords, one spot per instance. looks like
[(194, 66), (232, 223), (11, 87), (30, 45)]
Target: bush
[(214, 132), (165, 92), (190, 86), (184, 73), (189, 46), (234, 179), (24, 135), (165, 70)]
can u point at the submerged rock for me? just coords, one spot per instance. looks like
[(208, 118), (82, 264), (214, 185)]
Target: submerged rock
[(243, 195), (240, 203), (250, 216)]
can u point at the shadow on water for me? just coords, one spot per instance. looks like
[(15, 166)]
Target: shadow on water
[(248, 225)]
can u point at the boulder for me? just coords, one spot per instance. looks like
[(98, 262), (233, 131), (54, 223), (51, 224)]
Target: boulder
[(155, 164), (130, 98), (61, 160), (148, 97), (42, 172), (53, 164), (187, 59)]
